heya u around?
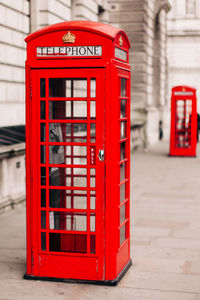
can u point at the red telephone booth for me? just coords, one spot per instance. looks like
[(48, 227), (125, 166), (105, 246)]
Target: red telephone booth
[(78, 153), (183, 121)]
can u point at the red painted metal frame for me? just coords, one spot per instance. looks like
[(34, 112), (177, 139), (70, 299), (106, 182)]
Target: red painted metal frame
[(183, 137), (111, 257)]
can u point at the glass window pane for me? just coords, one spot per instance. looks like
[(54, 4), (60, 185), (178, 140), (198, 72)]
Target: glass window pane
[(76, 133), (92, 109), (75, 199), (68, 88), (123, 109), (43, 219), (76, 243), (92, 177), (92, 244), (61, 110), (43, 154), (122, 213), (57, 176), (57, 198), (123, 87), (122, 171), (92, 202), (80, 88), (123, 130), (42, 87), (43, 198), (70, 177), (122, 234), (42, 110), (92, 223), (56, 132), (43, 176), (76, 177), (122, 150), (42, 132), (43, 241), (92, 132), (67, 221), (80, 109), (67, 199), (92, 172), (56, 154), (68, 132), (92, 181), (122, 193), (76, 155), (62, 87), (79, 161), (93, 88), (79, 150)]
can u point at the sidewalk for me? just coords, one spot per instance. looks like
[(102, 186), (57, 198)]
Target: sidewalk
[(165, 238)]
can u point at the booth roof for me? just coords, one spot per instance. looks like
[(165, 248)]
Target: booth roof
[(181, 87), (106, 30)]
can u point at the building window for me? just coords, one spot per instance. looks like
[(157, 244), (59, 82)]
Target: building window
[(191, 8)]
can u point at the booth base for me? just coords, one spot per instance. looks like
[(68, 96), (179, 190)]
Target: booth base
[(97, 282), (176, 155)]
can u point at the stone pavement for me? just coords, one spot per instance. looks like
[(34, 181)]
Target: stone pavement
[(165, 238)]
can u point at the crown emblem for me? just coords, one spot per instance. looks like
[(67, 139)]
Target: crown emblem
[(69, 38), (120, 40)]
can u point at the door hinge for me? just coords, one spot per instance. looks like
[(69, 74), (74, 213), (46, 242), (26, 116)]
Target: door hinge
[(30, 89), (32, 258)]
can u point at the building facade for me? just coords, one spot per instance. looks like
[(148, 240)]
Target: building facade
[(184, 45), (145, 23)]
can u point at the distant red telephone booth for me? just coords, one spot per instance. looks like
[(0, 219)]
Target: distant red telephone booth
[(183, 121), (78, 153)]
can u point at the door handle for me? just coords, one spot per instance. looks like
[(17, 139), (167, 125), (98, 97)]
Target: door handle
[(101, 155)]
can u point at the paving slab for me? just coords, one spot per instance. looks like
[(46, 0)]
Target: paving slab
[(165, 238)]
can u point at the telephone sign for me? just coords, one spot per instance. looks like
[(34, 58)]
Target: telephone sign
[(78, 51), (78, 153)]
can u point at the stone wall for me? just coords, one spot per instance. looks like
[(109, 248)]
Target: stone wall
[(14, 27), (12, 175), (47, 12), (145, 23)]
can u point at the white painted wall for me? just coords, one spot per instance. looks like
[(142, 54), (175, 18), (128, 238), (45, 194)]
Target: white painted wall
[(183, 48)]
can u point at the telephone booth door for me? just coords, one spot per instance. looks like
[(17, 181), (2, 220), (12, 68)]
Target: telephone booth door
[(183, 122), (69, 130)]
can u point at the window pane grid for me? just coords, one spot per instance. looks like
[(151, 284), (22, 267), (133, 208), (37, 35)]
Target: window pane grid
[(183, 123), (123, 159), (47, 164)]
